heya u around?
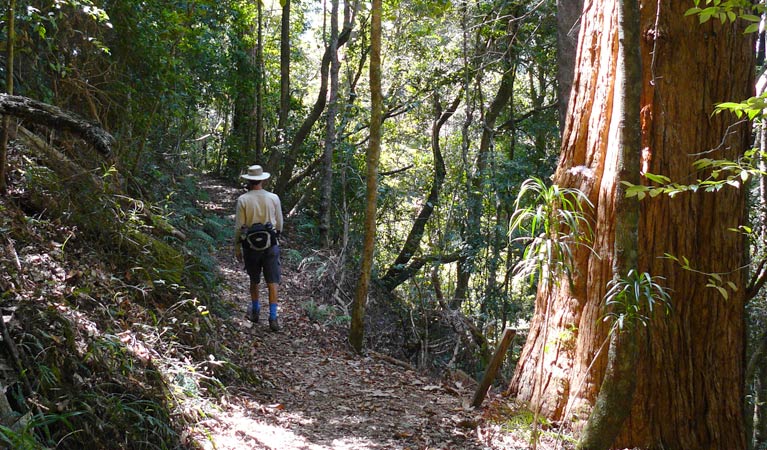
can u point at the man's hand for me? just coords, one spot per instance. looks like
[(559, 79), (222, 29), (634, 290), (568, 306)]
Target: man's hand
[(238, 256)]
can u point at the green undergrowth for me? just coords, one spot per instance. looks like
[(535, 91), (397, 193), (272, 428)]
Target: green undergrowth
[(324, 314), (112, 307), (515, 418)]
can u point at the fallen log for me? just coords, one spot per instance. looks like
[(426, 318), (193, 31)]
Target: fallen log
[(55, 117)]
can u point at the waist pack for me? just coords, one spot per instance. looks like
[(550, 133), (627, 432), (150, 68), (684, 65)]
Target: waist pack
[(259, 236)]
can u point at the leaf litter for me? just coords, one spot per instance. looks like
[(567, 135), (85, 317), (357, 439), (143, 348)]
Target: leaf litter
[(311, 391)]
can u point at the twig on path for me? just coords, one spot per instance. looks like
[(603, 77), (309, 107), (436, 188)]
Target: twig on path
[(391, 360)]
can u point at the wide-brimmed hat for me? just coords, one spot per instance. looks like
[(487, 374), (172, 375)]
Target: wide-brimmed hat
[(256, 173)]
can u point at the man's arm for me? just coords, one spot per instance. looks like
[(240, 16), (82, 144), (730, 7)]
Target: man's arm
[(239, 220), (278, 214)]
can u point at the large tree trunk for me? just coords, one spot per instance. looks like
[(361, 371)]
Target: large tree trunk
[(6, 120), (357, 328), (690, 370), (616, 394)]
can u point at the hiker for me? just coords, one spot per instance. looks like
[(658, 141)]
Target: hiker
[(257, 225)]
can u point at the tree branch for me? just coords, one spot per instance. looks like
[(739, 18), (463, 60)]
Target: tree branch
[(757, 281), (398, 273), (55, 117), (304, 173), (756, 356), (396, 171), (395, 278), (510, 123)]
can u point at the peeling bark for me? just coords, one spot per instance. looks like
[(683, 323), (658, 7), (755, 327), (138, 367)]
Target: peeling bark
[(690, 371)]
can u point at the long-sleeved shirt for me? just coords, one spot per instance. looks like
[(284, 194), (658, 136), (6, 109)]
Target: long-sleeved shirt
[(256, 206)]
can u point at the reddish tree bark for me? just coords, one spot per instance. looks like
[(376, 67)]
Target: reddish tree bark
[(690, 370)]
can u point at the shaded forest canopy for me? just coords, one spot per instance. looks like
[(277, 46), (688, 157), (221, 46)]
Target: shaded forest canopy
[(111, 292)]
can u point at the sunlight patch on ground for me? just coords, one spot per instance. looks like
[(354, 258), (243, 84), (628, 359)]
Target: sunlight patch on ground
[(234, 429), (229, 273)]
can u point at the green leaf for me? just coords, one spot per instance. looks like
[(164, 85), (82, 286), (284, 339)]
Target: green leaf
[(671, 257), (692, 11), (753, 28), (660, 179), (744, 175), (702, 163), (728, 105)]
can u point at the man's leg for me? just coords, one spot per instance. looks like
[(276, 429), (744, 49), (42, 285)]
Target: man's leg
[(253, 267), (255, 305), (272, 278), (273, 323)]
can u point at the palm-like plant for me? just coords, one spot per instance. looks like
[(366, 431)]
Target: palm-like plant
[(633, 298), (551, 226)]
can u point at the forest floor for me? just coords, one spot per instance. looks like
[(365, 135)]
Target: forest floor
[(316, 393)]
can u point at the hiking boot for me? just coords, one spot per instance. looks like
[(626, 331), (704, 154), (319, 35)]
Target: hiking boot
[(253, 314), (273, 324)]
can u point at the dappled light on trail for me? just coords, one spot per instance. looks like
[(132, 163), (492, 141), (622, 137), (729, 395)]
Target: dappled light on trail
[(310, 391), (236, 429)]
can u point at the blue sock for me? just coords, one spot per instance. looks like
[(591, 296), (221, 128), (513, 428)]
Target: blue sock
[(272, 310), (256, 306)]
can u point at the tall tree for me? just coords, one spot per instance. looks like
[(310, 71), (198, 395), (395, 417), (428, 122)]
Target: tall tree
[(357, 329), (290, 157), (6, 123), (326, 182), (282, 120), (259, 113), (476, 180), (613, 403), (690, 371), (400, 270), (245, 88)]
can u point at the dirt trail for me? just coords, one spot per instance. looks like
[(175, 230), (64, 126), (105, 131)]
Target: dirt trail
[(317, 394)]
